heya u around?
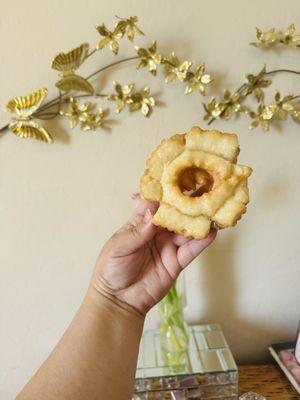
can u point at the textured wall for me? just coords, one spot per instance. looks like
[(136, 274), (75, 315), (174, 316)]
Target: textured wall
[(59, 203)]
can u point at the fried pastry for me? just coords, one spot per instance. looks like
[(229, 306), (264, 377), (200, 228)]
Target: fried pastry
[(197, 182)]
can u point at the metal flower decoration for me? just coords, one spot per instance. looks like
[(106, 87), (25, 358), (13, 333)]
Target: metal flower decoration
[(255, 83), (279, 110), (177, 69), (109, 38), (272, 37), (229, 104), (149, 58), (196, 80), (142, 100), (126, 26), (135, 100), (234, 104), (129, 26), (76, 111), (93, 120), (83, 113), (71, 84), (122, 95), (88, 115)]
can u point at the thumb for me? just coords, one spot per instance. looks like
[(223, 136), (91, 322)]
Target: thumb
[(136, 235)]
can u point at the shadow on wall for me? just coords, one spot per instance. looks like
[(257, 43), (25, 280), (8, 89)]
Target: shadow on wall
[(221, 293)]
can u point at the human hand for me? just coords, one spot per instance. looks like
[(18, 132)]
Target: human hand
[(141, 261)]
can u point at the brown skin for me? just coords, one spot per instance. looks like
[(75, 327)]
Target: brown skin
[(96, 358), (140, 262)]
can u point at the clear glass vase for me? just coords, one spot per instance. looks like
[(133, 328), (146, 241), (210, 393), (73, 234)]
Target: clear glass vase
[(173, 329)]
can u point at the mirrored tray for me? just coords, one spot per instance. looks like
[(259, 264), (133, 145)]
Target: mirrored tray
[(206, 370)]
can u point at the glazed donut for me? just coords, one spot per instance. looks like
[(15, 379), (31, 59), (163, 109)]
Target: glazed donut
[(197, 182)]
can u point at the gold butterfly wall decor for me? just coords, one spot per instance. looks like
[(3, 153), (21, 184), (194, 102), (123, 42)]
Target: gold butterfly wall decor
[(22, 109), (72, 87), (67, 64)]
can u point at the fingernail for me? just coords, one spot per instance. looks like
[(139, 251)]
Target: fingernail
[(147, 216)]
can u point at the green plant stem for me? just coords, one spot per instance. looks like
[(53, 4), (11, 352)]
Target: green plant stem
[(174, 338), (172, 327)]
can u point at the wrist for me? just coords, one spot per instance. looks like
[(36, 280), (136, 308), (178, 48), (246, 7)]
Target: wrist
[(100, 300)]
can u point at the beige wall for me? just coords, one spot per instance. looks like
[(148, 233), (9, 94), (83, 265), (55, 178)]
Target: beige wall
[(59, 203)]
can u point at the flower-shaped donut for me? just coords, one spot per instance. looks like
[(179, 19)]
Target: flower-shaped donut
[(196, 180)]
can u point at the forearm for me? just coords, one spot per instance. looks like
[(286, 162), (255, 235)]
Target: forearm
[(95, 359)]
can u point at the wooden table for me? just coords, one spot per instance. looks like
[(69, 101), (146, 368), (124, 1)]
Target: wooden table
[(267, 380)]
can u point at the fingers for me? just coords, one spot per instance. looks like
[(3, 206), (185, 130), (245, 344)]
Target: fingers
[(141, 208), (188, 251), (138, 231), (179, 240)]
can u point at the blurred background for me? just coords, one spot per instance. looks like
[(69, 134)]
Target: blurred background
[(59, 203)]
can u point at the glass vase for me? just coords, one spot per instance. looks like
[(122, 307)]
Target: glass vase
[(173, 329)]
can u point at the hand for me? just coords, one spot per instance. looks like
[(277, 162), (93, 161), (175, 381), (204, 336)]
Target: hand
[(141, 261)]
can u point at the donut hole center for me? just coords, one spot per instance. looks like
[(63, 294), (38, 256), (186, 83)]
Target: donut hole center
[(194, 181)]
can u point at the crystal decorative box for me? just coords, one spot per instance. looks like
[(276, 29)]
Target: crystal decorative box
[(205, 370)]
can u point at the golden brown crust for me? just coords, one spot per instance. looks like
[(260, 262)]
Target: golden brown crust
[(161, 156), (197, 155)]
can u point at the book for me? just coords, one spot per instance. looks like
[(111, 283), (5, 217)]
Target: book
[(284, 355)]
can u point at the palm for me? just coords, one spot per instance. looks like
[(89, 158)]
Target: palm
[(143, 276)]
